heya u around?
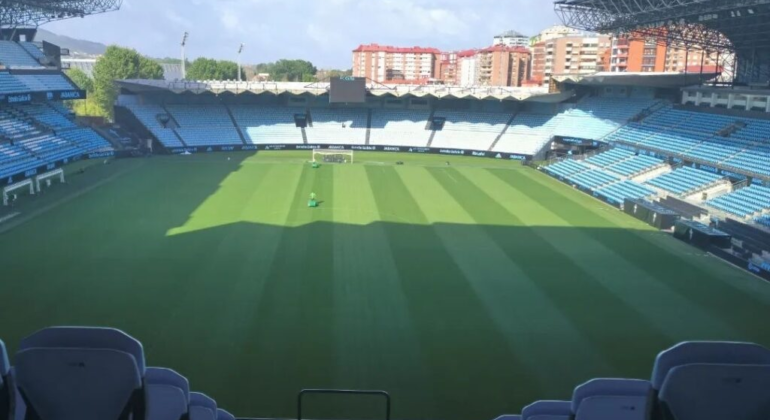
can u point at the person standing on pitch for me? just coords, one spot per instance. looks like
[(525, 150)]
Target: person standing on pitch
[(312, 196)]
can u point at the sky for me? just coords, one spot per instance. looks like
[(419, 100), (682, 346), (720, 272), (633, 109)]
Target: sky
[(321, 31)]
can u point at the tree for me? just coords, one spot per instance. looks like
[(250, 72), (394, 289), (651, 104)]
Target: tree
[(119, 63), (81, 79), (84, 107), (289, 70), (150, 69), (208, 69)]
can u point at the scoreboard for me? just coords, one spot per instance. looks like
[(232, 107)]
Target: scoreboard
[(346, 89)]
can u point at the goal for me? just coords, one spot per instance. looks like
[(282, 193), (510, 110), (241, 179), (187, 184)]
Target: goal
[(9, 191), (332, 156), (46, 177)]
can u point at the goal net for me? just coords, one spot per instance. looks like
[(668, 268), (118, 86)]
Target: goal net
[(332, 156)]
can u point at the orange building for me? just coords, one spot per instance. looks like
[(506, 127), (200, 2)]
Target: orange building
[(387, 64), (648, 54), (500, 65)]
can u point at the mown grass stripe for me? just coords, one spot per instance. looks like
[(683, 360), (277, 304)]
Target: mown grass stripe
[(460, 343), (678, 271), (376, 343), (295, 315), (673, 313), (508, 294), (603, 319)]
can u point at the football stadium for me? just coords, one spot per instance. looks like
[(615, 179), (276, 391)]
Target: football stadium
[(594, 248)]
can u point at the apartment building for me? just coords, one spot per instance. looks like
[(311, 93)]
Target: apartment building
[(387, 64), (577, 55)]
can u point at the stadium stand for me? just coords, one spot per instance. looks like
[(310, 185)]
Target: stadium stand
[(696, 135), (266, 125), (764, 221), (204, 125), (10, 84), (528, 133), (602, 183), (745, 202), (14, 55), (618, 192), (338, 126), (469, 130), (148, 116), (44, 82), (685, 181), (598, 117), (33, 50), (397, 127), (609, 158)]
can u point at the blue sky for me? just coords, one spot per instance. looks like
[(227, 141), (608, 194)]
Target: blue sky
[(322, 31)]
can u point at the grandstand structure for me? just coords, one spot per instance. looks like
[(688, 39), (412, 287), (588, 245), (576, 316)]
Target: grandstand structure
[(37, 132), (25, 14), (731, 28), (503, 123)]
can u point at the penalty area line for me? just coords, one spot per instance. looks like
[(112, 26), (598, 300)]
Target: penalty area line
[(9, 217)]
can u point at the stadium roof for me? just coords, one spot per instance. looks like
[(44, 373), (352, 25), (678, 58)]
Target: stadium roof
[(645, 79), (32, 13), (532, 94), (719, 24)]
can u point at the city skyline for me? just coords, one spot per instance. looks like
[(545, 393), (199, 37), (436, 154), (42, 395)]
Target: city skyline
[(321, 32)]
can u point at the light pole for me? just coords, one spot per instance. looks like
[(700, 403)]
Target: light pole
[(184, 42), (240, 50)]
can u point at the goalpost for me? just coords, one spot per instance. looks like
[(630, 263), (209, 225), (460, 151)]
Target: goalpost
[(332, 156), (27, 183), (48, 175)]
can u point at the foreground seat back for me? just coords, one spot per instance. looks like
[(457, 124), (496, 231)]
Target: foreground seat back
[(612, 399), (5, 386), (168, 394), (81, 373), (224, 415), (714, 380), (202, 407), (547, 410)]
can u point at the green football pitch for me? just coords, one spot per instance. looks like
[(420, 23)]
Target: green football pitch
[(466, 290)]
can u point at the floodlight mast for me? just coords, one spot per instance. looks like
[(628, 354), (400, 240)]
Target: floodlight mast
[(240, 50), (184, 59)]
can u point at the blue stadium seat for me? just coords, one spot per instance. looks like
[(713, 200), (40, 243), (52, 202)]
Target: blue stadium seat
[(168, 394), (509, 417), (547, 410), (80, 373), (5, 387), (713, 380), (224, 415), (202, 407), (612, 399)]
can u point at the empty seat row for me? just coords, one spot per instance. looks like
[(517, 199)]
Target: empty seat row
[(690, 381), (94, 374), (744, 202), (685, 180)]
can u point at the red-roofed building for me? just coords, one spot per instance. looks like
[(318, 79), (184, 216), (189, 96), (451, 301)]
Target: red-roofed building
[(388, 64)]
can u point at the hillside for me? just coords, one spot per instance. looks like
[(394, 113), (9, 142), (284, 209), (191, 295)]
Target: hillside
[(76, 46)]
